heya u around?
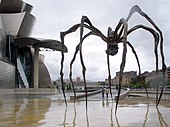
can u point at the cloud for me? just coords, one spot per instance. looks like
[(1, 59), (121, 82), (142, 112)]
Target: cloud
[(55, 16)]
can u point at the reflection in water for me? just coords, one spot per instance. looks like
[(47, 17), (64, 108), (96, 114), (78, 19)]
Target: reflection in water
[(35, 111), (146, 115), (111, 115), (150, 116), (111, 111), (117, 121), (87, 118), (161, 119), (75, 114), (105, 103), (18, 111), (65, 117), (21, 108)]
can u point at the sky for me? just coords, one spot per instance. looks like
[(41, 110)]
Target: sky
[(55, 16)]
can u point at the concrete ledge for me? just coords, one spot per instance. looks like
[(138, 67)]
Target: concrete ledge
[(84, 95), (22, 90), (7, 90), (149, 91), (35, 90), (123, 95), (152, 94)]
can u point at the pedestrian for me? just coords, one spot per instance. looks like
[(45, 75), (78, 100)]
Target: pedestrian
[(102, 92), (107, 93)]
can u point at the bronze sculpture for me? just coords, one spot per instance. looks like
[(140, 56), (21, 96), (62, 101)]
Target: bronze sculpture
[(119, 35)]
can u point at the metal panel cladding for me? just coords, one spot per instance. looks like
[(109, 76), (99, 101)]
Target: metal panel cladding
[(7, 75)]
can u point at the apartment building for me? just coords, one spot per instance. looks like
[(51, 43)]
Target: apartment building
[(126, 78)]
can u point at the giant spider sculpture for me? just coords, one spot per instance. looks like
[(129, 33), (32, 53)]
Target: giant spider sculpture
[(119, 35)]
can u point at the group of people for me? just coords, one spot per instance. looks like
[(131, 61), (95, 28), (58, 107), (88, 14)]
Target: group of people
[(105, 90)]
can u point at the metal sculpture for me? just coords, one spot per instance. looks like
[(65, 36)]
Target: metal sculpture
[(119, 35)]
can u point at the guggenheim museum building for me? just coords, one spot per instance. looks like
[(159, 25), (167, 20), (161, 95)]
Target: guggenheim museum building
[(20, 63)]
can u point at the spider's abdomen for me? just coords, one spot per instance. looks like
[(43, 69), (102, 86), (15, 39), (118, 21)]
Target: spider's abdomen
[(112, 49)]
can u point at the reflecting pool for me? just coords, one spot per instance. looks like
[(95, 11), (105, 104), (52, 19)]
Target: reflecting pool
[(18, 110)]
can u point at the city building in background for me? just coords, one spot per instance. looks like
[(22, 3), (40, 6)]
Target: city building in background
[(153, 79), (126, 78)]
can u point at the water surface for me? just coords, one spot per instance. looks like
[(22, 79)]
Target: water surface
[(50, 111)]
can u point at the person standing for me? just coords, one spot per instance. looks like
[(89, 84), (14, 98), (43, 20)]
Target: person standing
[(102, 92), (107, 93)]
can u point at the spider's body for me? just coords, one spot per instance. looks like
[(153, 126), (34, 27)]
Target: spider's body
[(113, 38), (112, 49), (112, 46)]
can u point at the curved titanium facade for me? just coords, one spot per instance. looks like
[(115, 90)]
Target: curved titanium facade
[(2, 39), (8, 6), (7, 75), (15, 20), (44, 76), (16, 6), (18, 24), (17, 59), (43, 43)]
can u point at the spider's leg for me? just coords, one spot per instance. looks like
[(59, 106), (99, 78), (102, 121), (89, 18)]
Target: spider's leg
[(156, 39), (61, 70), (71, 30), (83, 20), (62, 35), (161, 118), (121, 27), (109, 76), (108, 65), (136, 56), (122, 66), (71, 64), (72, 61), (89, 26), (94, 31), (137, 9), (120, 33), (155, 35), (137, 59), (162, 90)]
